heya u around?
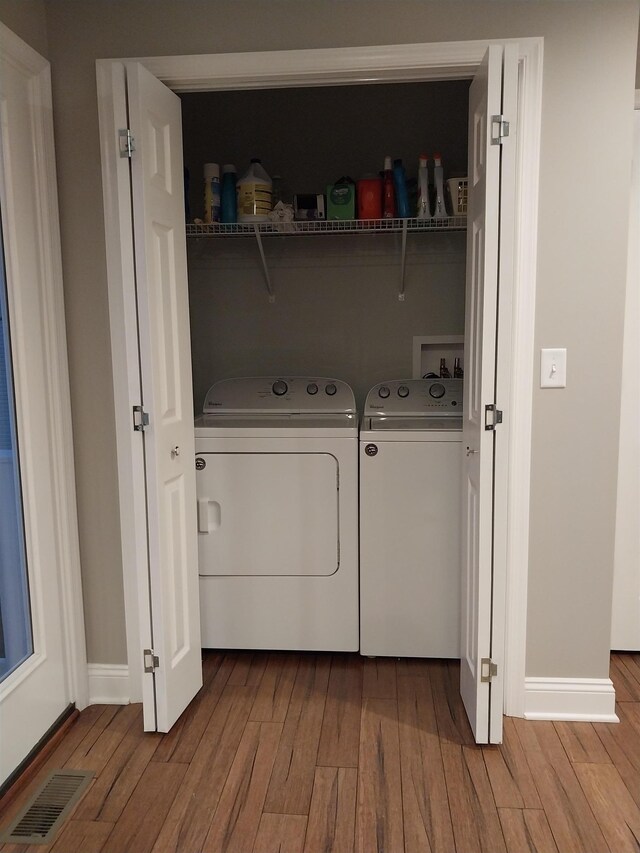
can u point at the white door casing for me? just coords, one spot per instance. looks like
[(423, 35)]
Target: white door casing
[(34, 695), (165, 365), (485, 101), (326, 67)]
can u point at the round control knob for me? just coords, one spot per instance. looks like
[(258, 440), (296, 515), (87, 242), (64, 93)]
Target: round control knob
[(312, 388), (403, 391), (330, 389), (279, 388), (371, 450), (437, 390), (383, 392)]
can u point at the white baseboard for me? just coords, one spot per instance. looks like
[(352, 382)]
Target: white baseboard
[(108, 684), (580, 699)]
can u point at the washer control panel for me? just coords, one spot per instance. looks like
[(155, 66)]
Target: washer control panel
[(415, 397), (279, 395)]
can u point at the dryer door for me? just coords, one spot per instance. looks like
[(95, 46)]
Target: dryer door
[(268, 514)]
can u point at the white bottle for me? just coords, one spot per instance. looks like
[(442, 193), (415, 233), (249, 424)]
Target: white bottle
[(423, 211), (254, 194), (211, 192), (440, 209)]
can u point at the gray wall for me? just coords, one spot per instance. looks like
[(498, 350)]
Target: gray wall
[(590, 58), (336, 312), (27, 19)]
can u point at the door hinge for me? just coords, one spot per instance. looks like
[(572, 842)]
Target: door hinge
[(488, 669), (499, 129), (127, 142), (151, 660), (492, 417), (140, 419)]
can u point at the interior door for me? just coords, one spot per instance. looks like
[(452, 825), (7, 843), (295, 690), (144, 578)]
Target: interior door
[(165, 365), (34, 683), (482, 609)]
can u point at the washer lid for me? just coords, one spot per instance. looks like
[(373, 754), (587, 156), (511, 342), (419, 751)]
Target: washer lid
[(416, 398), (279, 395)]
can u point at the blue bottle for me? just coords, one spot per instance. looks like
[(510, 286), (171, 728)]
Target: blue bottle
[(400, 184), (228, 194)]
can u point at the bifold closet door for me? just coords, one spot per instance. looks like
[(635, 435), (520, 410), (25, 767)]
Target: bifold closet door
[(165, 366)]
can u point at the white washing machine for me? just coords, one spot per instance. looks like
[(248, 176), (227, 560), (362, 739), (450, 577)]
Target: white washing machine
[(410, 515), (277, 489)]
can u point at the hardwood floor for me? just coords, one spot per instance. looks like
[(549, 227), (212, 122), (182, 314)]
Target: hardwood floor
[(310, 753)]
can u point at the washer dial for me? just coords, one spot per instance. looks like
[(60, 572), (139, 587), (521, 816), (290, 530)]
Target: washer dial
[(279, 388), (403, 391), (383, 392), (437, 390), (312, 388), (330, 389)]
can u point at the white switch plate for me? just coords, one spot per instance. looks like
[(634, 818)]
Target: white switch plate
[(553, 368)]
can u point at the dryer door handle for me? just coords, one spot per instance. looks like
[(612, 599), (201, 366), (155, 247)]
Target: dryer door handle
[(209, 515)]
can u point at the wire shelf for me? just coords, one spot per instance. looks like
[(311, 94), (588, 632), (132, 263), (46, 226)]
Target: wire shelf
[(346, 226)]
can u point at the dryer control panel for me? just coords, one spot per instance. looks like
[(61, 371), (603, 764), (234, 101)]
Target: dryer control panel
[(415, 398), (279, 395)]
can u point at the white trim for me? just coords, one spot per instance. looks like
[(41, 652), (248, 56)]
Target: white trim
[(57, 411), (522, 372), (340, 66), (108, 684), (320, 66), (581, 699)]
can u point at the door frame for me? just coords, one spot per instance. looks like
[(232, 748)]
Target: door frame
[(56, 401), (324, 67)]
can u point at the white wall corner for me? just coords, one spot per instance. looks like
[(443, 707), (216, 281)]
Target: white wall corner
[(108, 684), (581, 699)]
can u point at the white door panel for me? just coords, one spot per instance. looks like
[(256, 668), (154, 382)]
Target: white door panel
[(34, 682), (268, 514), (485, 100), (165, 360)]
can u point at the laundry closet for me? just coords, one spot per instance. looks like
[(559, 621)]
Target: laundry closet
[(278, 510)]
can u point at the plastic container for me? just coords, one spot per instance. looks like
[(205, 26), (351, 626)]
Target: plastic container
[(229, 200), (439, 208), (211, 192), (423, 210), (388, 191), (341, 199), (400, 186), (369, 194), (458, 193), (254, 194)]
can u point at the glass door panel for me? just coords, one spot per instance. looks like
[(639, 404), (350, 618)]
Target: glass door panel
[(16, 641)]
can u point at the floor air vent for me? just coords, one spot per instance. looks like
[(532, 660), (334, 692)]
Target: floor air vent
[(39, 822)]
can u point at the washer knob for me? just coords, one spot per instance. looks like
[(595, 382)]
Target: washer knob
[(330, 389), (437, 390), (383, 392), (403, 391), (312, 388), (279, 388)]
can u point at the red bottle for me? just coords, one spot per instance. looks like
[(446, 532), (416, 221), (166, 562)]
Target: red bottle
[(388, 191)]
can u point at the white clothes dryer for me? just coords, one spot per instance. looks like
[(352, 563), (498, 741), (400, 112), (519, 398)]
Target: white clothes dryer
[(410, 511), (277, 490)]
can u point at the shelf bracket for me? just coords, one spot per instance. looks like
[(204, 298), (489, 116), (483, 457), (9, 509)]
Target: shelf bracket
[(265, 269), (403, 259)]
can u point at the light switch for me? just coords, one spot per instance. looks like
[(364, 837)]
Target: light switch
[(553, 368)]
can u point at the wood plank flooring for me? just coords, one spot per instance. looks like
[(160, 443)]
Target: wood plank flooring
[(313, 753)]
